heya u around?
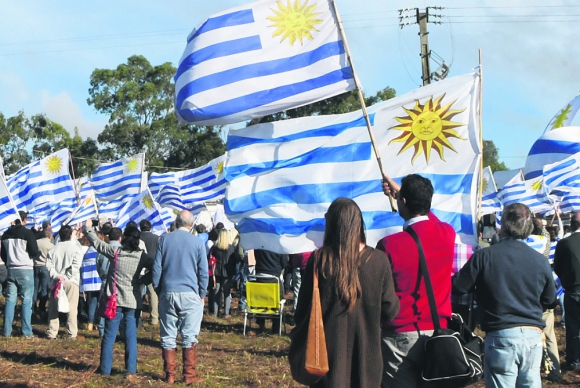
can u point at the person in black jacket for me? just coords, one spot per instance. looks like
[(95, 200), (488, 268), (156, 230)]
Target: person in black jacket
[(151, 240), (273, 264), (18, 250), (567, 267), (224, 271)]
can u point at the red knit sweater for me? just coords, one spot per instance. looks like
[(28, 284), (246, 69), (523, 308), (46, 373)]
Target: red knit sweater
[(438, 240)]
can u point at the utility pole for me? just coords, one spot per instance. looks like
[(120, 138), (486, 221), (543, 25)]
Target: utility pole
[(422, 18)]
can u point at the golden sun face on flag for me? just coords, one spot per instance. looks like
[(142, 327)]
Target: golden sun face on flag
[(219, 168), (536, 186), (53, 164), (428, 127), (147, 202), (294, 21), (132, 165)]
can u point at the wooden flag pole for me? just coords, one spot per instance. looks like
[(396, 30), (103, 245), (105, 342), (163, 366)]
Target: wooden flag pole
[(362, 100)]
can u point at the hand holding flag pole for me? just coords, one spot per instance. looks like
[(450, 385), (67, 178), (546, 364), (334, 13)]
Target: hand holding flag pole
[(390, 188)]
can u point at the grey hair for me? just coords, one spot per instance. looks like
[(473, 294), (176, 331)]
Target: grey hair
[(516, 221), (184, 218)]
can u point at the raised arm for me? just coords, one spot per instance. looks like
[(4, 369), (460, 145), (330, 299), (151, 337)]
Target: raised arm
[(100, 245)]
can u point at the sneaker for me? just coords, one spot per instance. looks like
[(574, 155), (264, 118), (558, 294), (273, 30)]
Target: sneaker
[(30, 337)]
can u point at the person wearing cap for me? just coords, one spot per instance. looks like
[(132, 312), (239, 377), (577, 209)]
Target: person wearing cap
[(18, 250)]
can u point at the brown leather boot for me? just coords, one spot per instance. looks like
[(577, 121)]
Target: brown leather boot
[(169, 365), (189, 365)]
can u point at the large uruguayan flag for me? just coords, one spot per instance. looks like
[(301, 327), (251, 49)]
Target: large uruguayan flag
[(117, 183), (284, 175), (8, 210), (40, 185), (190, 189), (489, 201), (565, 115), (530, 192), (140, 207), (553, 146), (261, 58), (564, 175), (61, 212)]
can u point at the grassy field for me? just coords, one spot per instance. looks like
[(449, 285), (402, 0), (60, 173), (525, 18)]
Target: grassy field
[(225, 359)]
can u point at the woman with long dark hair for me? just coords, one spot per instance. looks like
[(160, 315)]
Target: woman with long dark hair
[(130, 261), (356, 294)]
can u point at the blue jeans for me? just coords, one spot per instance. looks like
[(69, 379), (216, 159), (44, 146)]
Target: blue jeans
[(129, 316), (19, 282), (513, 358), (92, 301), (179, 311), (222, 290), (572, 304), (41, 287)]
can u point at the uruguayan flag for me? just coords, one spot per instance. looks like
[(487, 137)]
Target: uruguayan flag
[(565, 115), (530, 192), (284, 175), (553, 146), (168, 216), (564, 175), (189, 190), (8, 210), (87, 210), (261, 58), (61, 212), (37, 187), (116, 183), (489, 201), (142, 206)]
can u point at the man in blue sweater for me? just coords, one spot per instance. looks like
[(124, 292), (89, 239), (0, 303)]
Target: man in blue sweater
[(180, 279), (513, 284)]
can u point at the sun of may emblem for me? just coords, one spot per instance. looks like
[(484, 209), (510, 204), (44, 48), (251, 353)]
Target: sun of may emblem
[(219, 168), (147, 202), (428, 127), (132, 165), (53, 164), (537, 185), (294, 21)]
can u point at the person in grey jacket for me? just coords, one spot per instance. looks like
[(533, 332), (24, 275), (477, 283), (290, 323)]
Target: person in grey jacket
[(63, 263), (125, 274)]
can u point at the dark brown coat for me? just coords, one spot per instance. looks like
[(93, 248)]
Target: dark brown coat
[(353, 339)]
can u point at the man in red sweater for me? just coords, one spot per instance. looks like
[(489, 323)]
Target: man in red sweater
[(404, 336)]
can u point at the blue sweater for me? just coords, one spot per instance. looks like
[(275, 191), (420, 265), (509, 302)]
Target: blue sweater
[(180, 264)]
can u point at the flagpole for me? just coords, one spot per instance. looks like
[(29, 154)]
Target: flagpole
[(73, 176), (480, 194), (362, 100)]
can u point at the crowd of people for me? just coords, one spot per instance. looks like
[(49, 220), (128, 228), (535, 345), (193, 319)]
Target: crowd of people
[(374, 302)]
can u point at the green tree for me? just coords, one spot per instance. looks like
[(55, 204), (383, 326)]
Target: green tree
[(138, 98), (491, 157), (13, 139)]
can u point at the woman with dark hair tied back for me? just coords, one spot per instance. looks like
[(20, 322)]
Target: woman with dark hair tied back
[(356, 294), (130, 261)]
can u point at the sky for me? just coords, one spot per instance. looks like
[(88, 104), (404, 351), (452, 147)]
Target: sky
[(529, 52)]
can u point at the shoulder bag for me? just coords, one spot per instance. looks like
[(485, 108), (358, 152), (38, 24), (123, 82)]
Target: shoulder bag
[(453, 356), (107, 307), (308, 356)]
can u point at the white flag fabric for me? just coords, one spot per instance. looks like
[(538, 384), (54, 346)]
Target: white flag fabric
[(86, 210), (565, 115), (284, 175), (261, 58), (530, 192), (116, 183), (142, 206), (190, 189), (40, 185), (553, 146), (8, 210), (489, 201)]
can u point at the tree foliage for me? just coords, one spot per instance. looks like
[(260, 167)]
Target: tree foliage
[(13, 139), (491, 157), (138, 98)]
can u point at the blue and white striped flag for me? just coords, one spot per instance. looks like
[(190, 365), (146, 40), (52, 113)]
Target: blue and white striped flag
[(61, 212), (142, 206), (87, 210), (8, 210), (168, 216), (284, 175), (553, 146), (41, 184), (489, 201), (189, 190), (261, 58), (563, 175), (530, 192), (116, 183), (565, 115)]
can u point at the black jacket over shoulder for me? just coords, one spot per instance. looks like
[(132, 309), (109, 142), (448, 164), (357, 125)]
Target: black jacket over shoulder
[(567, 262)]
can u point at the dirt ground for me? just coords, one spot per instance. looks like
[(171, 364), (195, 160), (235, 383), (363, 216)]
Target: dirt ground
[(226, 358)]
